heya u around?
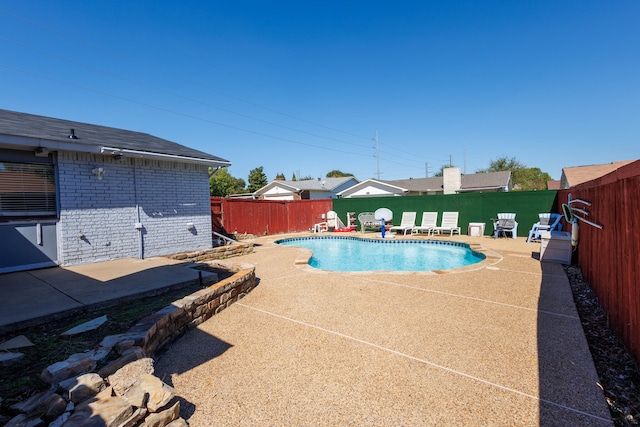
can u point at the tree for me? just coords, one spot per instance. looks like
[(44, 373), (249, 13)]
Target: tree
[(530, 179), (522, 177), (503, 164), (338, 174), (280, 177), (293, 177), (222, 184), (257, 179)]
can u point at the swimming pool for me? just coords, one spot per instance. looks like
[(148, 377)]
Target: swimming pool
[(338, 253)]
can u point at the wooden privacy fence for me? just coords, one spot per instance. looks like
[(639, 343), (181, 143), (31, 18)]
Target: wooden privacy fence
[(610, 258), (260, 217)]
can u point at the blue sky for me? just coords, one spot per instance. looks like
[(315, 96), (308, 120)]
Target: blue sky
[(302, 86)]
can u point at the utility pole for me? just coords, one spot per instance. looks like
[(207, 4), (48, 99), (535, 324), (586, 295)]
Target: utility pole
[(464, 171), (377, 154), (426, 169)]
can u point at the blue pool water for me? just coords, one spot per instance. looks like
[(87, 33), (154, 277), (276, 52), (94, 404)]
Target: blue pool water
[(354, 254)]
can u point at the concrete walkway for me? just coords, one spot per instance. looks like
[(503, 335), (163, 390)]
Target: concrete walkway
[(497, 345), (30, 297)]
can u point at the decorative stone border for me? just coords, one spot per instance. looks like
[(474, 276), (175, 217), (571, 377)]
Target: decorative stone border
[(220, 252), (77, 395)]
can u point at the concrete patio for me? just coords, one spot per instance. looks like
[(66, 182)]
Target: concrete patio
[(499, 344)]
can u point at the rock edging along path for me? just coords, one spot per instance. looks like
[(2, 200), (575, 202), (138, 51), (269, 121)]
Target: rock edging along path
[(123, 393)]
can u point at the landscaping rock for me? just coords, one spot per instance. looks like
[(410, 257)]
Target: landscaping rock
[(160, 394), (82, 387), (55, 406), (79, 363), (23, 421), (18, 342), (59, 422), (178, 423), (162, 418), (107, 412), (125, 377), (86, 326), (8, 359), (35, 405)]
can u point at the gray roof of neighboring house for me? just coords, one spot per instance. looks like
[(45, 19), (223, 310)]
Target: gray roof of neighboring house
[(324, 184), (469, 182), (486, 180), (418, 184), (22, 128)]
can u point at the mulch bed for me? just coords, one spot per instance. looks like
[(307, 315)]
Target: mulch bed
[(618, 372)]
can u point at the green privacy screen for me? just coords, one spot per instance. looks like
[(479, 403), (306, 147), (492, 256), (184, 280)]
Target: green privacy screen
[(472, 207)]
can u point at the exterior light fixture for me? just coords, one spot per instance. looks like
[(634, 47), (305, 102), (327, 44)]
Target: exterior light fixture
[(99, 172)]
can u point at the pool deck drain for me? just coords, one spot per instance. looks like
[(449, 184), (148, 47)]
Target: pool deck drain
[(497, 345)]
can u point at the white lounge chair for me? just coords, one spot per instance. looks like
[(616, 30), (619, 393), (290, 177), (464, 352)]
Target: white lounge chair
[(428, 224), (407, 222), (506, 223), (368, 220), (547, 222), (449, 223)]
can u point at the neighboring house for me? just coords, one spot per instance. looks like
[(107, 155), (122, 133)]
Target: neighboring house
[(451, 182), (322, 188), (553, 185), (572, 176), (74, 193), (373, 188)]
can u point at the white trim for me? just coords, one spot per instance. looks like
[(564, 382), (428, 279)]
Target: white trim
[(161, 156)]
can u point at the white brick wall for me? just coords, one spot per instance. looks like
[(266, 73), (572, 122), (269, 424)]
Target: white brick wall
[(98, 217)]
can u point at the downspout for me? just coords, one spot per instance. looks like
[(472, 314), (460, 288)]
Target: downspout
[(138, 224)]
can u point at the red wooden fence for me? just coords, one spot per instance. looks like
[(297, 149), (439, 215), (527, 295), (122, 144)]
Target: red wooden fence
[(610, 258), (260, 217)]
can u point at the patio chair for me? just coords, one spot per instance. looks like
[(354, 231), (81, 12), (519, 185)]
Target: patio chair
[(449, 223), (428, 224), (547, 222), (368, 220), (407, 222), (505, 223)]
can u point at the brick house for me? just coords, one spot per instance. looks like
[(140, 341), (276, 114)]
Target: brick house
[(74, 193)]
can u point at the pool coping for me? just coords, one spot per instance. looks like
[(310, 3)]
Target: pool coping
[(302, 261)]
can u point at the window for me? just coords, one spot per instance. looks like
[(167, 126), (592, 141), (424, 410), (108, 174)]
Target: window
[(27, 190)]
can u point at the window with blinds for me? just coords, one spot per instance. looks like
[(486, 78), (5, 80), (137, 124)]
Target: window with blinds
[(27, 190)]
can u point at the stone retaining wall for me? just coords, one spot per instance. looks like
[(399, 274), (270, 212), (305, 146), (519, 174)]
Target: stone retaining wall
[(119, 395), (221, 252)]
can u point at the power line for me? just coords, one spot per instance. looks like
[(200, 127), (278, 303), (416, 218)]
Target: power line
[(144, 104), (197, 84), (177, 95), (174, 76)]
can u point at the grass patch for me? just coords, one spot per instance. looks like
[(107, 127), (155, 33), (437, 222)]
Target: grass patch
[(22, 379)]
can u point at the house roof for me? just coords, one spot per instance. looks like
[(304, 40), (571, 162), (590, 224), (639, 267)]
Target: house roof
[(553, 185), (418, 184), (22, 130), (368, 182), (324, 184), (572, 176), (476, 181)]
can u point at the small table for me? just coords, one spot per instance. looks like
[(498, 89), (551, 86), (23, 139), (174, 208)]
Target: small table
[(476, 229)]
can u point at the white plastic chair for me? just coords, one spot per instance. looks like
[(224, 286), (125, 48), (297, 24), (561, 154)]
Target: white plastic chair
[(506, 223), (547, 222)]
